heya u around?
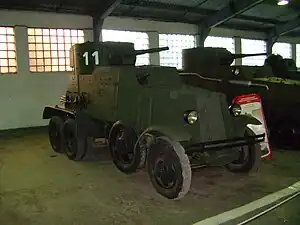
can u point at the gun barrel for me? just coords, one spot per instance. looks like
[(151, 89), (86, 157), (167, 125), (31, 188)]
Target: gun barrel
[(236, 56), (150, 50), (248, 83)]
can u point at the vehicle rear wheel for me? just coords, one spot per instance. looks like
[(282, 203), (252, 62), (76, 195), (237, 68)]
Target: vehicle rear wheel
[(249, 158), (55, 134), (169, 168), (121, 143), (75, 147)]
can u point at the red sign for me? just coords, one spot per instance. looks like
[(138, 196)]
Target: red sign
[(251, 105)]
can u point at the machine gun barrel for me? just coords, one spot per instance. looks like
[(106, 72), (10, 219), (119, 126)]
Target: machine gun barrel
[(237, 56), (150, 50), (247, 83)]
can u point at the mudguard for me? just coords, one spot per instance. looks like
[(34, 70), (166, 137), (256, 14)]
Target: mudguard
[(247, 119), (242, 121), (50, 111), (174, 133)]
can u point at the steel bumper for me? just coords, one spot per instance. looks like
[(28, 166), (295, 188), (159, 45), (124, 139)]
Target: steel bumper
[(224, 144)]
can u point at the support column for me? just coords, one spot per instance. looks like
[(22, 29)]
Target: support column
[(294, 51), (202, 35), (270, 42), (21, 38), (238, 49), (154, 43), (97, 28)]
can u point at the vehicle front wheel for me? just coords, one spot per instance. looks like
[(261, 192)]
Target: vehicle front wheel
[(55, 134), (169, 168), (75, 147), (249, 158)]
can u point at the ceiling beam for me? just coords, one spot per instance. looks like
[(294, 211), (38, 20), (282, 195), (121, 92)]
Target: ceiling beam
[(279, 30), (152, 16), (189, 9), (171, 7), (231, 10), (110, 6), (285, 28), (99, 16), (89, 7)]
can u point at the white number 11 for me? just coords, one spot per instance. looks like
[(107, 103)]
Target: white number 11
[(95, 54)]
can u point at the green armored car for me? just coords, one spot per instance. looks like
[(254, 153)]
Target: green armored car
[(150, 117), (277, 82)]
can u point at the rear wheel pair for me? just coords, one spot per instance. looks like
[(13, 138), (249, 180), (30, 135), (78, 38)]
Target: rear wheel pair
[(64, 139), (168, 166)]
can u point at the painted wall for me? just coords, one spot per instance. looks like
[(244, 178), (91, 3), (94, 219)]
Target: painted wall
[(24, 95)]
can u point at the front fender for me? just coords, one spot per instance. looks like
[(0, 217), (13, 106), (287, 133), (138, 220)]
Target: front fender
[(174, 133), (50, 111), (242, 121), (247, 119)]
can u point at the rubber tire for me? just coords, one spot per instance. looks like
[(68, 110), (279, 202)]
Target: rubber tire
[(71, 125), (184, 181), (59, 123), (143, 148), (252, 162), (134, 166)]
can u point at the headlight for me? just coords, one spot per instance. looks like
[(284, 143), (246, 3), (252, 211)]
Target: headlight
[(191, 117), (235, 110), (236, 71)]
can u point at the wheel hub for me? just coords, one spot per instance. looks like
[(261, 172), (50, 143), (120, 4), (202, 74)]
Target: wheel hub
[(54, 135), (70, 143), (122, 150), (165, 173)]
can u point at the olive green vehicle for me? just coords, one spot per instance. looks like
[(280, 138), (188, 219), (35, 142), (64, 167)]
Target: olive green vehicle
[(276, 83), (151, 117)]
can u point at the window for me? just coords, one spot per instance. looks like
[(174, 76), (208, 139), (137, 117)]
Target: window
[(220, 42), (8, 61), (298, 55), (49, 48), (250, 46), (176, 43), (283, 49), (139, 39)]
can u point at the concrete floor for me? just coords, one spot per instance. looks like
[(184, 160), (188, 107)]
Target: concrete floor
[(288, 214), (38, 186)]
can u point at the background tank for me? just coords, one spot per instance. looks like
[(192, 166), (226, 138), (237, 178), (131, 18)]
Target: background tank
[(208, 60), (278, 99)]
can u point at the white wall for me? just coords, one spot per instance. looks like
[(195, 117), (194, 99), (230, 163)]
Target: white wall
[(23, 96)]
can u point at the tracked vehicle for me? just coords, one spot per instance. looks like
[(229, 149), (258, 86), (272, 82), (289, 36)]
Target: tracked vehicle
[(150, 118), (275, 82)]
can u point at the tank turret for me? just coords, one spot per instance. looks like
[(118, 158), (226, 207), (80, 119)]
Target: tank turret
[(211, 62), (282, 67), (86, 56), (208, 56)]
